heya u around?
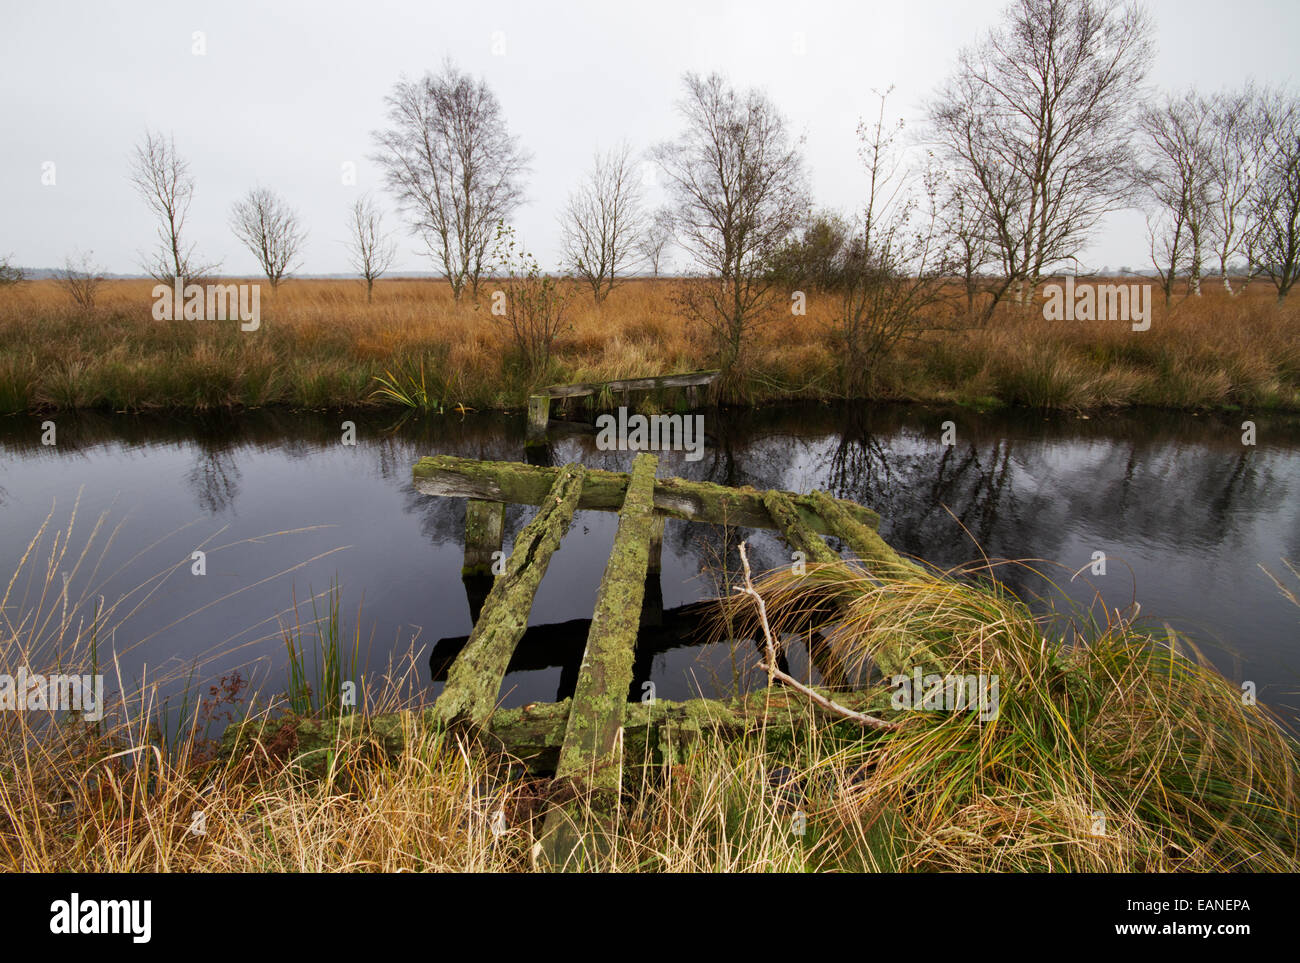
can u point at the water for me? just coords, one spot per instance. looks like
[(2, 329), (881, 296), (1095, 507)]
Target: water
[(1184, 513)]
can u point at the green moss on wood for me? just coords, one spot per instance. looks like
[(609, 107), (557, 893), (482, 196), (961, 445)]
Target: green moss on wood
[(517, 483), (590, 748), (475, 677)]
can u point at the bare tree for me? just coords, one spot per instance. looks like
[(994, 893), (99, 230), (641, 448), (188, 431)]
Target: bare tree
[(10, 273), (656, 239), (1238, 141), (534, 302), (1036, 120), (892, 274), (454, 168), (370, 249), (1177, 173), (80, 278), (1276, 208), (1169, 240), (604, 221), (737, 182), (270, 229), (162, 177), (964, 220)]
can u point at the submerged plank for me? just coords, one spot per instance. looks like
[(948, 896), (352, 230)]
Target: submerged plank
[(517, 483), (474, 679)]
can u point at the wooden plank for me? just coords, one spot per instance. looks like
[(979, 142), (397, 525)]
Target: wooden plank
[(865, 541), (474, 679), (689, 379), (516, 483), (786, 518), (590, 753), (654, 733), (591, 756)]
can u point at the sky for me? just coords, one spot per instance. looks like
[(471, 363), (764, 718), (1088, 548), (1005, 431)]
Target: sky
[(284, 95)]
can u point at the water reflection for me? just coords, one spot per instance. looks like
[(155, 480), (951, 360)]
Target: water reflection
[(1183, 511)]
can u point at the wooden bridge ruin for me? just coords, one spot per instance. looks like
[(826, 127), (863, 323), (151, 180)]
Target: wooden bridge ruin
[(592, 744), (695, 384)]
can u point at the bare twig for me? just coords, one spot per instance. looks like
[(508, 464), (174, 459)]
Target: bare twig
[(769, 663)]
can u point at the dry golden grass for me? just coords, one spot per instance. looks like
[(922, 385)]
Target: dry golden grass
[(321, 345), (1186, 776)]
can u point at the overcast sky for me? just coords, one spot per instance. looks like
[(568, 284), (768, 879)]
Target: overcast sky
[(286, 93)]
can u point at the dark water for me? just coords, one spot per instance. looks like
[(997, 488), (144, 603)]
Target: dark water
[(1183, 511)]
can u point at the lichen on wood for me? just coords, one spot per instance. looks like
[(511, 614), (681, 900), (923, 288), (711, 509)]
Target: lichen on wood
[(590, 751), (517, 483), (475, 678), (655, 733), (865, 541), (484, 529)]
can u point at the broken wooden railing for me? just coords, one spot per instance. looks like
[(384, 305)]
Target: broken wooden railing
[(539, 404), (585, 741)]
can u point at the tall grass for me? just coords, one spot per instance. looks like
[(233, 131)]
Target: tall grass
[(321, 344), (1114, 751), (1119, 727)]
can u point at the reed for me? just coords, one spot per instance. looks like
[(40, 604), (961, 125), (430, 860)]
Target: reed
[(320, 344)]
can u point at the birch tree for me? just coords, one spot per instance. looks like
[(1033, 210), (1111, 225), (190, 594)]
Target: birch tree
[(604, 221), (1036, 120), (454, 168)]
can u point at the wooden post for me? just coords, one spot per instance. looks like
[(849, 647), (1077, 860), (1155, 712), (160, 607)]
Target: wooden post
[(692, 397), (539, 413), (475, 677), (485, 524), (657, 544)]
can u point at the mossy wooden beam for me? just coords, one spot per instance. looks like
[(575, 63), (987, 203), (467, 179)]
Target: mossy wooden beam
[(655, 733), (475, 677), (590, 753), (864, 540), (786, 519), (517, 483)]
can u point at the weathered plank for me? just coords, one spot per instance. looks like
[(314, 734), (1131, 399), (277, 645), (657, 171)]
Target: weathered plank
[(517, 483), (865, 541), (475, 678), (689, 379), (591, 751), (592, 754), (654, 733), (787, 520)]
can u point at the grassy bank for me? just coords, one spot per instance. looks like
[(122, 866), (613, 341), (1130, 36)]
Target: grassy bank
[(1119, 751), (321, 345)]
